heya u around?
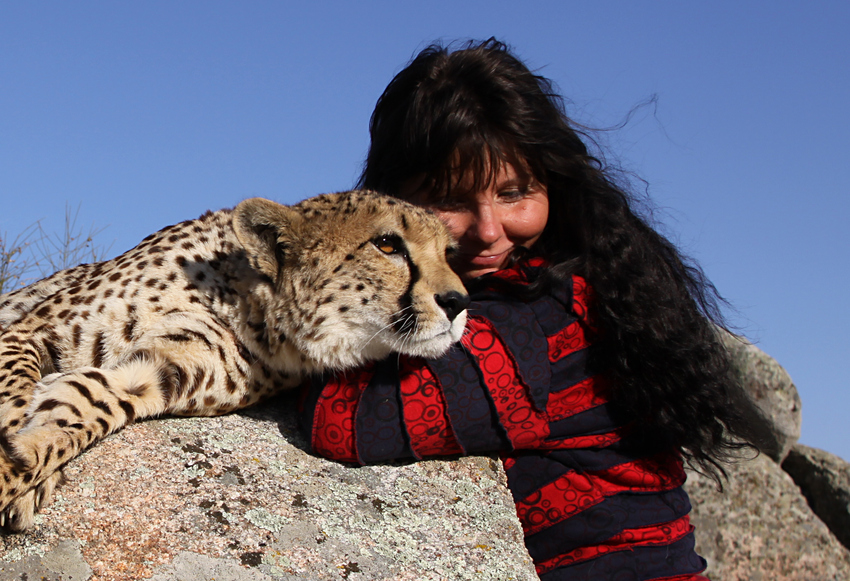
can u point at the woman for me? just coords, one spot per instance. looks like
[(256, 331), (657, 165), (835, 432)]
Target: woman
[(591, 358)]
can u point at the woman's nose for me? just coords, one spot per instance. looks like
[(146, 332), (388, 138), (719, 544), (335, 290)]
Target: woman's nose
[(487, 227)]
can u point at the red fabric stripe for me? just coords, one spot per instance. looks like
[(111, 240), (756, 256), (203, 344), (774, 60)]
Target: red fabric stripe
[(574, 492), (557, 501), (586, 394), (525, 426), (424, 408), (333, 420), (566, 341), (654, 535), (659, 472), (583, 301), (516, 274), (591, 441)]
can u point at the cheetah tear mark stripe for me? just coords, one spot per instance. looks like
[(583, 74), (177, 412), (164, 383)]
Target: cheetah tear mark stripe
[(404, 320)]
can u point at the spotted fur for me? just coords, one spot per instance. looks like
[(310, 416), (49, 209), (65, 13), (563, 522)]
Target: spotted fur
[(213, 315)]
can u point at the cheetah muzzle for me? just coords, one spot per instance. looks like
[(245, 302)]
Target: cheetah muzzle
[(213, 315)]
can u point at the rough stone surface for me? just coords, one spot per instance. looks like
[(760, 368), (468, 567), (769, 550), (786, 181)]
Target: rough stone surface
[(237, 498), (761, 527), (194, 567), (824, 479), (773, 392), (64, 562)]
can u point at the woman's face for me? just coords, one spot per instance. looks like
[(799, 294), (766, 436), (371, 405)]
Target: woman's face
[(489, 224)]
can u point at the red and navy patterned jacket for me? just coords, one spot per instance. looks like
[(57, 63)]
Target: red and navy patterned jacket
[(518, 383)]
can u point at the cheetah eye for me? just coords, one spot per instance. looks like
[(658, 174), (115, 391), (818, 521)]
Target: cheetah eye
[(389, 244)]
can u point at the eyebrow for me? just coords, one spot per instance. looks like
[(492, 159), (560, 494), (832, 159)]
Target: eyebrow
[(514, 181), (517, 180)]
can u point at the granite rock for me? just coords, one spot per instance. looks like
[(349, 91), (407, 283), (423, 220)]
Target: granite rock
[(771, 389), (237, 498), (761, 527), (62, 562), (824, 479)]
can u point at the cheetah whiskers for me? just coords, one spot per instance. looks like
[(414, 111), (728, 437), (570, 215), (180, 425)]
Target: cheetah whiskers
[(394, 319), (410, 325), (406, 338)]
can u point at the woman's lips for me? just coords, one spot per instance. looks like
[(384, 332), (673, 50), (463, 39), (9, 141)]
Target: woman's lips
[(486, 260)]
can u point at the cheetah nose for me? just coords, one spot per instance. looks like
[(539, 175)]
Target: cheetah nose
[(452, 303)]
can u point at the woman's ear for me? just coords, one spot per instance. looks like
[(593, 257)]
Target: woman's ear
[(267, 231)]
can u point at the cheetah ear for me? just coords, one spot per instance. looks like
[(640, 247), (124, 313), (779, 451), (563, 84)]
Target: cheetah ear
[(266, 230)]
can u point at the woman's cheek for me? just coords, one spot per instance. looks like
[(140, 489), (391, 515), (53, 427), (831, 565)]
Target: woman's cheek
[(531, 221), (454, 221)]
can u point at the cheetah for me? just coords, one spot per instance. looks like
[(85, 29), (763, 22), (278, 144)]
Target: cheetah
[(213, 315)]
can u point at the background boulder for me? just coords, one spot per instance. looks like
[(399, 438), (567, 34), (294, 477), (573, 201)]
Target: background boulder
[(769, 523), (760, 527), (824, 479), (772, 390)]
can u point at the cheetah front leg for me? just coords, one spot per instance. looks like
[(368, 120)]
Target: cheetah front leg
[(68, 413), (20, 371)]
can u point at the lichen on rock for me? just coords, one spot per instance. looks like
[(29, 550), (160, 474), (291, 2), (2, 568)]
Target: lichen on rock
[(239, 496)]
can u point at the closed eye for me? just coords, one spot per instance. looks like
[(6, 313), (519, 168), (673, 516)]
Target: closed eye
[(389, 244), (513, 194)]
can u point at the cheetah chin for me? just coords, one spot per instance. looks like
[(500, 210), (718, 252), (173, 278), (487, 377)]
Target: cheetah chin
[(213, 315)]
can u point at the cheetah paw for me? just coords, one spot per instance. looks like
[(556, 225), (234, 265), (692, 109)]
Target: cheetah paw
[(19, 515)]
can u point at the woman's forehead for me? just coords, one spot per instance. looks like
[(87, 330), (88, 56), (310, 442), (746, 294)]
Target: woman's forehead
[(494, 176)]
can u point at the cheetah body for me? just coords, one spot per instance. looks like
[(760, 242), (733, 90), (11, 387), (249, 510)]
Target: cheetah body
[(213, 315)]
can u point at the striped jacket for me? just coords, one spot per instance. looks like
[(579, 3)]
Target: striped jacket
[(518, 383)]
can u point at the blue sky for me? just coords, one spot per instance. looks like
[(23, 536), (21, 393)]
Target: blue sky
[(148, 113)]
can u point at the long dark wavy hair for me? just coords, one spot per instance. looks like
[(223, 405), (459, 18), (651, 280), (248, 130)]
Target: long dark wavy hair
[(464, 112)]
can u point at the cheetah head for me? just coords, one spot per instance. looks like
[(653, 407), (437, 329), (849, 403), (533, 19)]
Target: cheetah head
[(354, 276)]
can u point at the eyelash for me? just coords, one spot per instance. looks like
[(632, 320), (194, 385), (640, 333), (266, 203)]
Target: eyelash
[(453, 204), (514, 193)]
